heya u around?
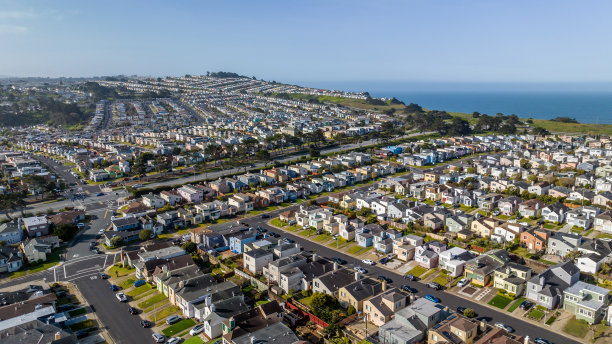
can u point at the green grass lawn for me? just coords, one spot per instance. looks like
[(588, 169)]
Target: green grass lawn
[(429, 272), (500, 301), (354, 249), (577, 328), (551, 320), (143, 295), (137, 291), (82, 325), (441, 280), (120, 271), (546, 262), (77, 312), (178, 327), (262, 302), (604, 236), (278, 223), (549, 226), (127, 283), (417, 271), (194, 340), (516, 304), (322, 237), (152, 300), (162, 314), (536, 314), (341, 243)]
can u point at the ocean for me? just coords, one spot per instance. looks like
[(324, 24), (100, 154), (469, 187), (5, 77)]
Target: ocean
[(587, 104)]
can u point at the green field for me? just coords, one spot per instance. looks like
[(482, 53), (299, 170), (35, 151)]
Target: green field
[(178, 327), (500, 301)]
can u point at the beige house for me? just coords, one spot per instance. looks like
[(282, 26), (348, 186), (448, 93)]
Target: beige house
[(466, 330), (512, 278), (355, 293), (381, 308), (484, 227)]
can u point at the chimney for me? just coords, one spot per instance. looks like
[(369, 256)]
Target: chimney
[(58, 335), (181, 284), (315, 257), (357, 276), (384, 285), (526, 341), (542, 280), (335, 266)]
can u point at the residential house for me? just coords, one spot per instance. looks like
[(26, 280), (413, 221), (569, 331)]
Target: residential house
[(427, 254), (36, 226), (125, 223), (531, 208), (10, 233), (586, 301), (453, 260), (512, 278), (480, 270), (546, 288), (255, 260), (603, 222), (560, 244), (534, 239), (10, 259), (410, 324), (454, 329), (509, 205), (330, 282), (191, 193), (37, 249), (484, 227), (356, 293), (153, 201), (381, 308), (594, 252), (554, 212), (604, 198)]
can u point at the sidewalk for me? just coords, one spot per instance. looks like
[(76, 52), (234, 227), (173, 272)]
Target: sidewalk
[(103, 331)]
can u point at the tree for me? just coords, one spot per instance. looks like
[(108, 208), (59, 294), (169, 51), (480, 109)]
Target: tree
[(469, 313), (116, 241), (459, 126), (605, 268), (314, 152), (262, 155), (145, 234), (66, 231), (350, 310), (189, 247)]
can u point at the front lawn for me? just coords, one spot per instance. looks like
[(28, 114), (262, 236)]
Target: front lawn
[(30, 268), (577, 328), (354, 249), (137, 291), (127, 283), (516, 304), (82, 325), (278, 223), (322, 237), (178, 327), (77, 312), (194, 340), (119, 271), (441, 280), (417, 271), (163, 314), (536, 314), (500, 301), (151, 301)]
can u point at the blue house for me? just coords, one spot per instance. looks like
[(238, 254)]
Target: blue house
[(365, 239), (394, 149), (125, 223), (238, 241)]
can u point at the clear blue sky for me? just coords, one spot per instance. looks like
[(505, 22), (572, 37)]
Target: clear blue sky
[(306, 41)]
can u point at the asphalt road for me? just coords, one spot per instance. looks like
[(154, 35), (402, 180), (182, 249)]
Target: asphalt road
[(447, 299)]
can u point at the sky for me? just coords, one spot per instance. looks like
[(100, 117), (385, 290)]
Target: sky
[(418, 41)]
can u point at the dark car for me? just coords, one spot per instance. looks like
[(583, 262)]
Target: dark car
[(65, 307), (434, 285), (82, 333), (339, 260), (541, 341), (410, 277), (103, 275), (526, 305), (133, 310), (409, 289), (114, 287), (276, 235), (460, 309), (289, 241), (384, 260), (146, 323), (265, 216), (100, 194), (385, 279), (261, 229)]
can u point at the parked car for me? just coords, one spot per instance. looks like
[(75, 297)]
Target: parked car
[(339, 260), (158, 337), (139, 283), (385, 279), (541, 341), (100, 194), (102, 275), (409, 289), (434, 285), (461, 309), (197, 330), (146, 323), (174, 340), (384, 260), (265, 216), (367, 261), (432, 298), (121, 297), (288, 241), (361, 270), (81, 225), (82, 333), (526, 305), (133, 311), (274, 235), (114, 287), (463, 282), (504, 326), (410, 277), (261, 229), (173, 319)]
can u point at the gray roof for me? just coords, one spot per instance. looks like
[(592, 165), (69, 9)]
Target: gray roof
[(277, 333), (364, 288)]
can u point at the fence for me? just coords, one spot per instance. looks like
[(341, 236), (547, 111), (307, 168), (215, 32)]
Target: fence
[(316, 320), (259, 285)]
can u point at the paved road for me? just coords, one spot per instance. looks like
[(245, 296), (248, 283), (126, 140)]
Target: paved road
[(450, 300)]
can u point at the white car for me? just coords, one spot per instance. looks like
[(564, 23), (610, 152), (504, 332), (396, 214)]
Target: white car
[(174, 340), (367, 261), (462, 282), (197, 330), (121, 297), (158, 337)]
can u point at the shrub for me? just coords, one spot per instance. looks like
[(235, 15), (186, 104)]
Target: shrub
[(351, 310), (469, 313)]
